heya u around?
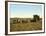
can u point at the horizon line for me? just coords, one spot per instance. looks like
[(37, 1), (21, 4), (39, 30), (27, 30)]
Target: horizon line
[(25, 17)]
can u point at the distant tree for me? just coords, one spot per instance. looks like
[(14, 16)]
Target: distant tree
[(36, 17)]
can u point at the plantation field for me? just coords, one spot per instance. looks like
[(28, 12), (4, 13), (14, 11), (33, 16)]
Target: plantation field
[(26, 26)]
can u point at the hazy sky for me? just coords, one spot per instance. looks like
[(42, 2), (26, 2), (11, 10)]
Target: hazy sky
[(21, 10)]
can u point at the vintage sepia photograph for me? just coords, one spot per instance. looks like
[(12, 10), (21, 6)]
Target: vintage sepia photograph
[(25, 17)]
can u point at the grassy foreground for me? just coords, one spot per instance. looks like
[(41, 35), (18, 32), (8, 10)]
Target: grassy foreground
[(26, 26)]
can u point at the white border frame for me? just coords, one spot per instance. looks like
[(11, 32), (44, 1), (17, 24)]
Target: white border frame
[(25, 31)]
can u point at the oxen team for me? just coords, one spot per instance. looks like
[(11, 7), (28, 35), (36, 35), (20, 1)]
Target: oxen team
[(23, 21)]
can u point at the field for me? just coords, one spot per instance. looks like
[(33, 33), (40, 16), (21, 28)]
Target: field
[(26, 26)]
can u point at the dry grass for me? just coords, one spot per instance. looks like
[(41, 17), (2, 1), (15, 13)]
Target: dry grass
[(26, 26)]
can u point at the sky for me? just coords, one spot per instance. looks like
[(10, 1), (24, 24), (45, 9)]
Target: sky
[(25, 11)]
